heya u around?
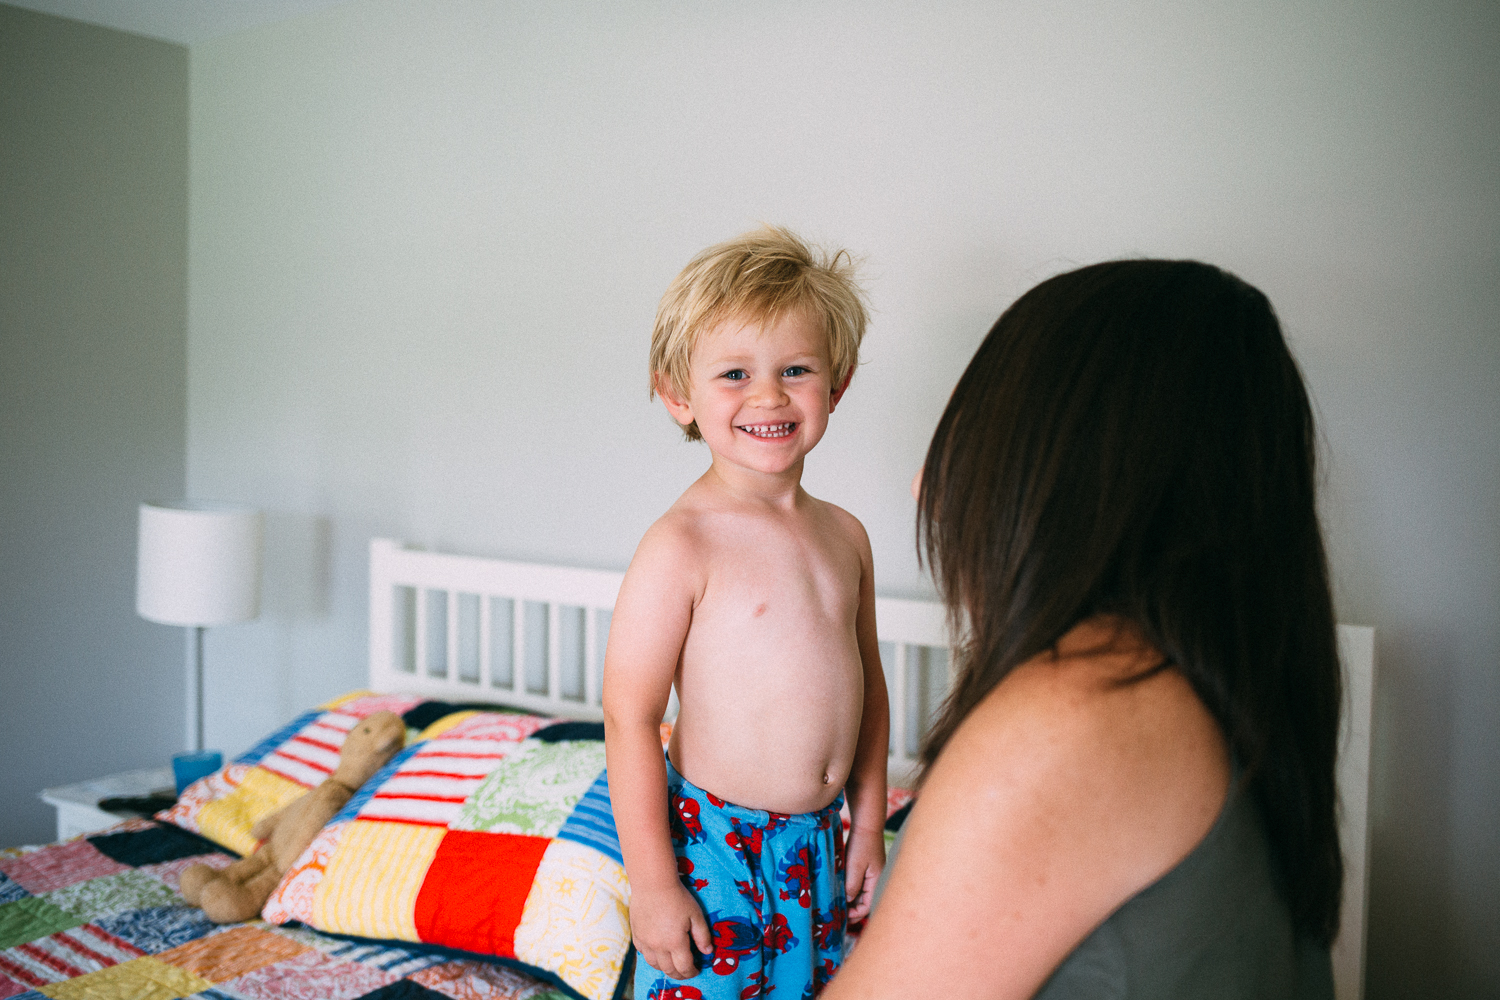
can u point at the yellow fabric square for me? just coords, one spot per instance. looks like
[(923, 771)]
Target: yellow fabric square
[(577, 918), (371, 884), (228, 820), (138, 979), (443, 724), (329, 706)]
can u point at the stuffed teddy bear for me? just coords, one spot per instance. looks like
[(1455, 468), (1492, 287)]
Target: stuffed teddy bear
[(238, 892)]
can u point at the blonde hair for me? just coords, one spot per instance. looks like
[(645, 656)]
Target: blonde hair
[(761, 275)]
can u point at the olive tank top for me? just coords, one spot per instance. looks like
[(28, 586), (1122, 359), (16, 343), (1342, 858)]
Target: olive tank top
[(1214, 926)]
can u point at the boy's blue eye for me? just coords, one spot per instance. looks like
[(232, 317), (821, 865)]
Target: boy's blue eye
[(734, 376), (794, 371)]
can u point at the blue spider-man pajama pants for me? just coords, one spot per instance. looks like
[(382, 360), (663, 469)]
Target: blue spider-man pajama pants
[(772, 888)]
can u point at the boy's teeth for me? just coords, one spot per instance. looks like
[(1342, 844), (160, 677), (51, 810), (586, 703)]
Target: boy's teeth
[(768, 430)]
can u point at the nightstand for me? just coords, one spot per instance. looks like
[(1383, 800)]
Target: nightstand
[(77, 805)]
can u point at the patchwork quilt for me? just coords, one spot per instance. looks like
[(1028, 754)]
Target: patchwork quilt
[(101, 917), (482, 863)]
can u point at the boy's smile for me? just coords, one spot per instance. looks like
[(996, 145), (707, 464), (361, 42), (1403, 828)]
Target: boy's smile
[(768, 430), (760, 392)]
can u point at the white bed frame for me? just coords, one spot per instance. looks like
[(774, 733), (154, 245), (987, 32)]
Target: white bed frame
[(467, 629)]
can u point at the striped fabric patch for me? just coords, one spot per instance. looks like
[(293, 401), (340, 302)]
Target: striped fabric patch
[(266, 746), (394, 959), (65, 955), (30, 918), (312, 753), (371, 885), (366, 792), (431, 786), (592, 821)]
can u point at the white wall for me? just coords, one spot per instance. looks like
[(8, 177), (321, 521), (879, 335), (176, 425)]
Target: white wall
[(93, 409), (427, 242)]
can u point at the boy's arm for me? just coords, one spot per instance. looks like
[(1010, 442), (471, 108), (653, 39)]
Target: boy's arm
[(650, 621), (865, 789)]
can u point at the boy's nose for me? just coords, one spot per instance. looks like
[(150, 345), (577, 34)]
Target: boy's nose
[(769, 393)]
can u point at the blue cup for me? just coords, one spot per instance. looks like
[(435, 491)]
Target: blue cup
[(189, 767)]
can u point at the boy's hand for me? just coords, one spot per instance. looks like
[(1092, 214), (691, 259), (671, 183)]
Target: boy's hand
[(665, 925), (866, 859)]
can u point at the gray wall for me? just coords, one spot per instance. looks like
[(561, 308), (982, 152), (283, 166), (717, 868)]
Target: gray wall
[(428, 243), (93, 384)]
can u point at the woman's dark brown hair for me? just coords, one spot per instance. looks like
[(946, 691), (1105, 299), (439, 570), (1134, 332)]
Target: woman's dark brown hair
[(1133, 438)]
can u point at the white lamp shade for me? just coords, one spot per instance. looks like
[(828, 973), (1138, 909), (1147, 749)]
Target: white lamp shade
[(198, 563)]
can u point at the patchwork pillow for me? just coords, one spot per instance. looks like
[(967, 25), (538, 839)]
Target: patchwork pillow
[(224, 805), (493, 836)]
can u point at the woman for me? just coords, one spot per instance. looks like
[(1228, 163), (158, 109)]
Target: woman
[(1130, 789)]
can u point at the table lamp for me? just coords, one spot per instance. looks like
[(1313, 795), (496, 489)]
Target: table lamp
[(197, 564)]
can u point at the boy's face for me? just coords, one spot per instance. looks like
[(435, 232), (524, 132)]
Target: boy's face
[(760, 392)]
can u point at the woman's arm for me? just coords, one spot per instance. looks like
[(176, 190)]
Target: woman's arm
[(1060, 797)]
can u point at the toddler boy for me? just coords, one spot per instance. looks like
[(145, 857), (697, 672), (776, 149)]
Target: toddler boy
[(757, 602)]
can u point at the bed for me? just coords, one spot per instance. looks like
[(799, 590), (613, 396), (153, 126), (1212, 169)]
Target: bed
[(480, 863)]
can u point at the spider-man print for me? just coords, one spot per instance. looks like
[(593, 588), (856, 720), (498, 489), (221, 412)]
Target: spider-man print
[(778, 936), (685, 869), (734, 938), (821, 975), (746, 838), (752, 892), (772, 889), (685, 823), (758, 987), (796, 872), (828, 928)]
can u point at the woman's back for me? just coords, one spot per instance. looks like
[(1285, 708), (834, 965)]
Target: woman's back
[(1215, 927)]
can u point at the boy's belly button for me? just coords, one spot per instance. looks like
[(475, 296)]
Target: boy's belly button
[(826, 777)]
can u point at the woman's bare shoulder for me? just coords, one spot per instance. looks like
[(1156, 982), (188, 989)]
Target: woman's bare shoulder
[(1061, 795), (1100, 735)]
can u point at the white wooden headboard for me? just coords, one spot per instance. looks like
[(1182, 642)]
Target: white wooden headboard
[(468, 629)]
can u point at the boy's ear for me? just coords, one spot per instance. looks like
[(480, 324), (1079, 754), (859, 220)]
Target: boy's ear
[(838, 393), (680, 409)]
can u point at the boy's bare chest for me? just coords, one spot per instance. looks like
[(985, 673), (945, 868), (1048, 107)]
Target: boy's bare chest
[(773, 573), (766, 583)]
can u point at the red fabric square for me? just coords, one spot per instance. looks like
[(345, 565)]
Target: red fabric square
[(475, 890)]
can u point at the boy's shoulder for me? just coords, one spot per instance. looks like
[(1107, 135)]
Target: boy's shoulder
[(676, 541), (847, 526)]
